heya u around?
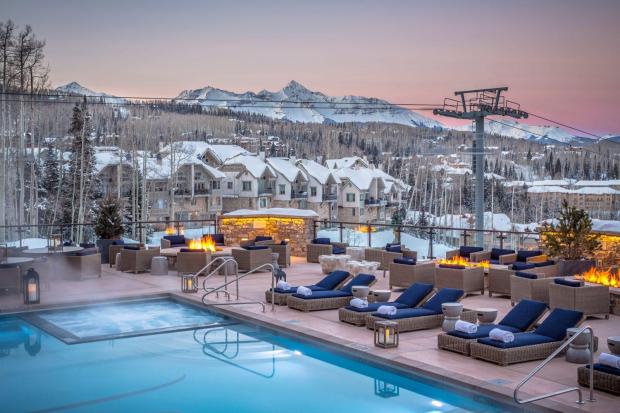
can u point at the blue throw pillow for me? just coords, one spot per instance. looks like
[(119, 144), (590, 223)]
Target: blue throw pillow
[(175, 239), (568, 283), (557, 322), (604, 368), (338, 250), (321, 241), (523, 274), (218, 239), (464, 251), (445, 295), (333, 279), (393, 248), (523, 255), (497, 252), (118, 242), (414, 294), (522, 315), (359, 279), (520, 266), (452, 266), (407, 261), (131, 247), (283, 242), (262, 238), (256, 247)]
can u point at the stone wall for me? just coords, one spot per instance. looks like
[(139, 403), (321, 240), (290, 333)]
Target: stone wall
[(297, 230)]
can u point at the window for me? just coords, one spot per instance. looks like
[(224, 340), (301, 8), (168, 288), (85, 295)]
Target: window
[(352, 212), (247, 185), (361, 212), (229, 185), (215, 184), (313, 191), (350, 197), (282, 189), (262, 202)]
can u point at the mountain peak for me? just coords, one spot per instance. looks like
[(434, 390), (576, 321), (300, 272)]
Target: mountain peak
[(295, 87)]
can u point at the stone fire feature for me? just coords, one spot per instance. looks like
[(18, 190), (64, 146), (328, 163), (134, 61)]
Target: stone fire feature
[(296, 225)]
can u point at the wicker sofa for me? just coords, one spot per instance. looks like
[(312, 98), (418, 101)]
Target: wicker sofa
[(470, 279), (319, 247), (136, 260), (191, 262), (385, 256), (252, 257), (404, 275), (590, 299), (499, 278)]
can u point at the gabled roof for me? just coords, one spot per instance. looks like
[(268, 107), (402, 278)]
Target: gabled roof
[(287, 169), (253, 165), (362, 178), (225, 152), (345, 162), (319, 172)]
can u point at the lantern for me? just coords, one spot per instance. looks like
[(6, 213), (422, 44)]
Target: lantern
[(189, 283), (385, 389), (386, 334), (30, 287)]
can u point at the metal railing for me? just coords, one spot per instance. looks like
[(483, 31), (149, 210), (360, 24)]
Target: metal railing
[(224, 264), (551, 357)]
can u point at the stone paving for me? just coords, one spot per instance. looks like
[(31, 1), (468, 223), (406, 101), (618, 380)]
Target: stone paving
[(417, 350)]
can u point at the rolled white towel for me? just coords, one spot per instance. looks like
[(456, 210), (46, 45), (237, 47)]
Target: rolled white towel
[(386, 310), (501, 335), (465, 327), (283, 285), (305, 291), (609, 360), (359, 303)]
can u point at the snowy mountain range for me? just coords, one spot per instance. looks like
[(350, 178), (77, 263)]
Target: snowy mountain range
[(75, 89)]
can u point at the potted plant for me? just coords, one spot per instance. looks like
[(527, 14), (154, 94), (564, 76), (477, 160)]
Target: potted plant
[(571, 240), (109, 225)]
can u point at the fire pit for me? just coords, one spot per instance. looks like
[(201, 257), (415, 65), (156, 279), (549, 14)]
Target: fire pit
[(205, 243), (463, 261), (599, 276)]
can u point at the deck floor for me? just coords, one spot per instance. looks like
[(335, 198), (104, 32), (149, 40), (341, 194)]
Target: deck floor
[(417, 349)]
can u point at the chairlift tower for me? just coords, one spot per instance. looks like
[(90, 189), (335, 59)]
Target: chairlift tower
[(475, 105)]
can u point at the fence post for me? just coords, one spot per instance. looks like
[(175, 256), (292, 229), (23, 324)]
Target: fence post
[(431, 232), (369, 235), (340, 230), (314, 229), (501, 237), (465, 235)]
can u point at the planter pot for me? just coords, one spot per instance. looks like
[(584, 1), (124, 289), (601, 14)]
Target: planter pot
[(103, 246), (573, 267)]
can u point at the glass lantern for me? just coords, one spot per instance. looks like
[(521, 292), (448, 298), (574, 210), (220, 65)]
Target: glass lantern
[(31, 287), (189, 283), (385, 389), (386, 334)]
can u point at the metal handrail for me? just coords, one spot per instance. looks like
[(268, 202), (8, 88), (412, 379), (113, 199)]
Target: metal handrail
[(551, 357), (225, 260)]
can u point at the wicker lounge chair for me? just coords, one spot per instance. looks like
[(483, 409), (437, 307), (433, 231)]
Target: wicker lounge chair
[(429, 315), (135, 260), (412, 297), (499, 278), (331, 281), (463, 251), (405, 272), (606, 378), (519, 319), (252, 257), (468, 279), (590, 299), (191, 262), (329, 300), (387, 255), (495, 256), (529, 286), (535, 345), (323, 246)]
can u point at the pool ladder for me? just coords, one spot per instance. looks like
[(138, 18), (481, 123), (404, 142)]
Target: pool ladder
[(223, 288), (568, 389)]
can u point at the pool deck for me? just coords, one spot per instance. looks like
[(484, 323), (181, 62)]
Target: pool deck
[(417, 350)]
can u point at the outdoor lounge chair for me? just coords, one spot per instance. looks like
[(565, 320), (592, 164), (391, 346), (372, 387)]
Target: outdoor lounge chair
[(329, 300), (519, 319), (468, 279), (323, 246), (464, 251), (406, 271), (387, 255), (429, 315), (499, 278), (495, 256), (412, 297), (252, 256), (606, 378), (535, 345), (331, 281), (529, 286)]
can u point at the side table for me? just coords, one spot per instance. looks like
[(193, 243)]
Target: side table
[(452, 313)]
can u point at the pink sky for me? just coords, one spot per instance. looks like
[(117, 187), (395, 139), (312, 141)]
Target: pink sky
[(560, 58)]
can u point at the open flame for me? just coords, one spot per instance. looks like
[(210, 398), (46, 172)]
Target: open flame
[(205, 243), (463, 261), (598, 276), (365, 228), (170, 231)]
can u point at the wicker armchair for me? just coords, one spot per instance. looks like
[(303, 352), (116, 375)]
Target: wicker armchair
[(463, 251), (81, 266), (249, 259), (192, 262), (495, 256), (470, 279), (530, 289), (403, 275), (284, 254), (115, 249), (171, 241), (314, 250), (385, 258), (590, 299), (499, 278), (137, 260)]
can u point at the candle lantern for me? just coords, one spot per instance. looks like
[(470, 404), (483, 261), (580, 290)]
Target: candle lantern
[(31, 287), (386, 334), (385, 389), (189, 283)]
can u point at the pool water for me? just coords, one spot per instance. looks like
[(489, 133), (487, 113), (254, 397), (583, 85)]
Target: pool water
[(221, 368)]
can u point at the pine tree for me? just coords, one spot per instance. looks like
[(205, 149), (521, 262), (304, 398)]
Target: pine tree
[(109, 224), (49, 183)]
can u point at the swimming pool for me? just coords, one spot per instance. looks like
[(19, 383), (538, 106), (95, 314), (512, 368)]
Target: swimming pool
[(225, 366)]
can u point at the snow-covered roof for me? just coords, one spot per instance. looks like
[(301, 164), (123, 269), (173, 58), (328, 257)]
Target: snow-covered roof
[(611, 182), (597, 190), (281, 212), (360, 177), (489, 175), (345, 162), (547, 189), (225, 152), (108, 155), (450, 170), (253, 164), (287, 169), (159, 169), (607, 226), (551, 182), (318, 171)]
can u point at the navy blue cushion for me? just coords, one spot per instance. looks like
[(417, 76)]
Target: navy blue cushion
[(359, 279), (523, 274), (293, 289), (333, 280), (218, 239), (568, 283), (544, 264), (175, 239), (338, 250), (406, 313), (322, 241), (557, 322), (118, 242), (262, 238), (323, 294), (452, 266), (406, 261), (131, 247), (445, 295), (372, 307), (191, 250), (604, 368), (87, 245), (256, 247), (393, 248), (522, 315), (521, 339), (520, 266), (523, 255), (283, 242), (497, 252), (414, 294), (464, 251), (482, 331)]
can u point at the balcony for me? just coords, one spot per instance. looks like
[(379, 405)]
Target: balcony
[(330, 197), (182, 191), (299, 194), (374, 202), (265, 190)]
